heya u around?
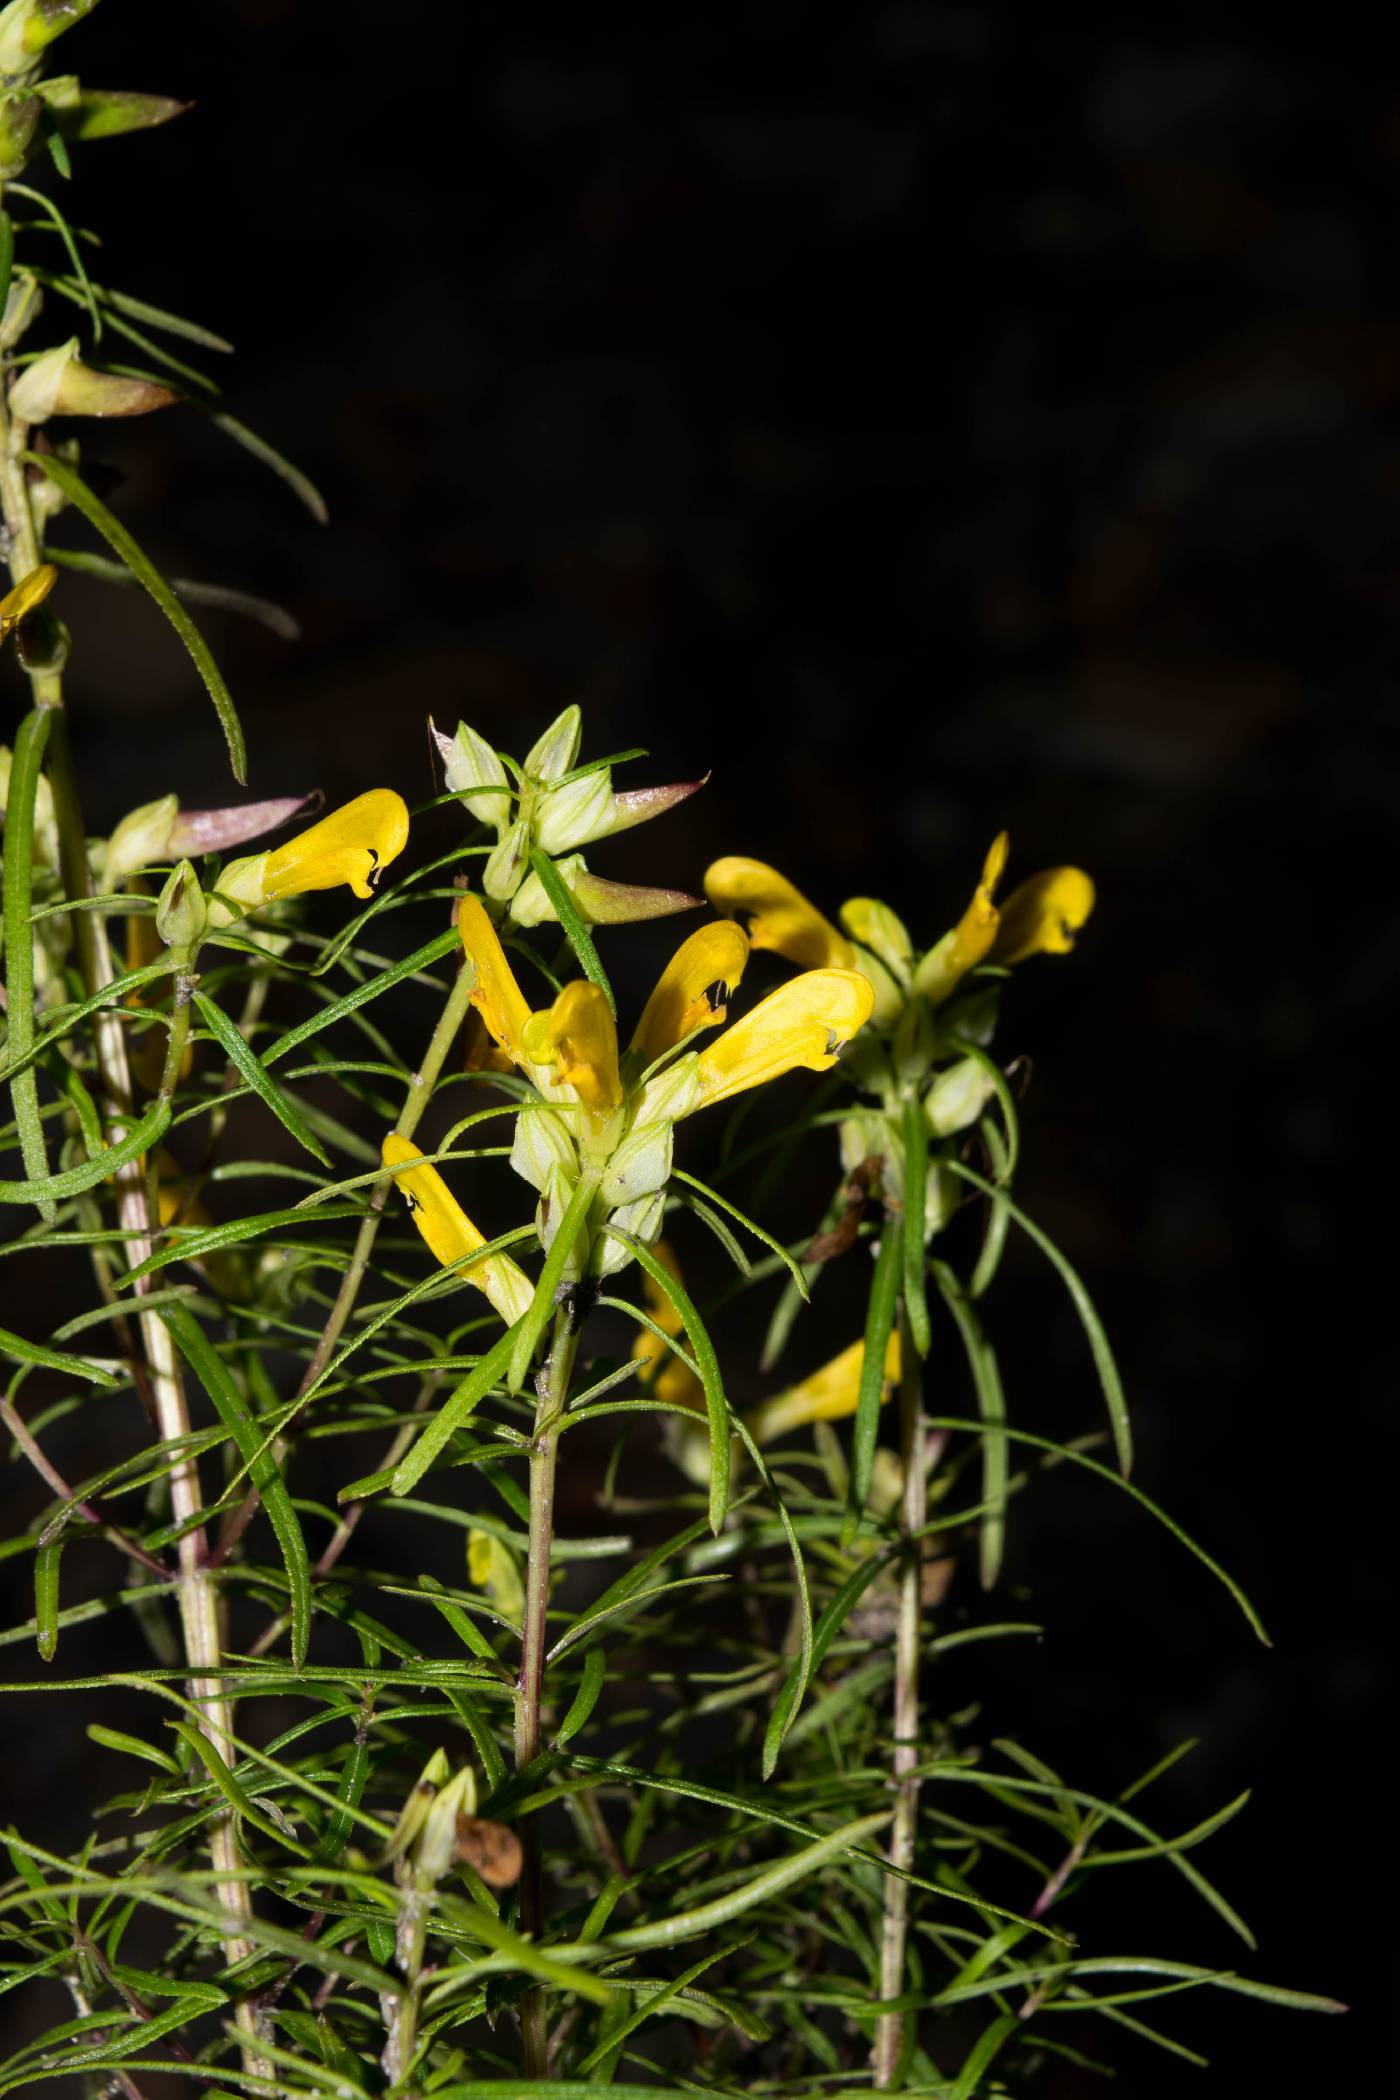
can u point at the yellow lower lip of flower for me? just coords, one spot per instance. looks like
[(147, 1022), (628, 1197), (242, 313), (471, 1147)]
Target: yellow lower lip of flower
[(713, 955), (496, 995), (803, 1023), (578, 1037), (827, 1396), (1043, 915), (450, 1234), (779, 916), (354, 844)]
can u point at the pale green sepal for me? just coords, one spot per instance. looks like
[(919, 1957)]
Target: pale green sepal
[(555, 752)]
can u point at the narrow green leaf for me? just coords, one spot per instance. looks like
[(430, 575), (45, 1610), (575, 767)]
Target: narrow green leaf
[(915, 1184), (229, 1787), (301, 485), (250, 1067), (707, 1363), (19, 939), (1083, 1304), (986, 1380), (115, 1739), (66, 478), (768, 1882), (979, 2057), (188, 1245), (213, 1374), (432, 951), (595, 1670), (265, 611), (74, 1180), (833, 1617), (879, 1323), (52, 1359), (7, 257), (46, 1564), (69, 1016), (775, 1246), (454, 1411), (538, 1313), (575, 932)]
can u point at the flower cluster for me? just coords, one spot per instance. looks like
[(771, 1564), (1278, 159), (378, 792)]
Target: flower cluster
[(933, 1012)]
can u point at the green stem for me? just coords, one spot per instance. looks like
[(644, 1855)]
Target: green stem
[(198, 1597), (553, 1391), (415, 1101), (913, 1514)]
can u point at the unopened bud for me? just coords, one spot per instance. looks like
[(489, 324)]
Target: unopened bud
[(83, 113), (505, 868), (144, 836), (19, 120), (473, 771), (880, 930), (28, 27), (957, 1097), (60, 384), (552, 755), (437, 1843), (180, 909)]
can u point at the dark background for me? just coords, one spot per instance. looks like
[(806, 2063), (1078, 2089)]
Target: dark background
[(930, 418)]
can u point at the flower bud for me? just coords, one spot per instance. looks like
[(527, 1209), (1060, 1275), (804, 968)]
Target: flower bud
[(914, 1040), (27, 27), (889, 993), (505, 870), (81, 113), (957, 1097), (570, 815), (642, 1219), (542, 1144), (882, 931), (180, 909), (23, 307), (473, 771), (143, 836), (640, 1165), (436, 1851), (553, 754), (60, 384), (19, 120)]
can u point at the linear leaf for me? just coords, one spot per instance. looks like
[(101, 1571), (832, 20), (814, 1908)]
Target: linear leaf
[(67, 479), (246, 1062), (30, 740), (74, 1180), (213, 1374), (575, 932), (879, 1324)]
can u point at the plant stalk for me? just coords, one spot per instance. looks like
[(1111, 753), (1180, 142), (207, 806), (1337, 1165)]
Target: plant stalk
[(198, 1597), (891, 2028), (553, 1391)]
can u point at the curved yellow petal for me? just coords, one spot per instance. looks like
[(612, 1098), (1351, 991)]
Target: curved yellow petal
[(578, 1037), (354, 844), (713, 955), (675, 1382), (970, 941), (779, 916), (496, 995), (29, 592), (804, 1022), (450, 1234), (1043, 915), (826, 1396)]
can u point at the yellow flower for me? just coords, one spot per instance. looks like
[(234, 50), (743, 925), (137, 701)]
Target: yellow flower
[(826, 1396), (779, 916), (713, 958), (577, 1037), (971, 939), (28, 594), (450, 1233), (804, 1022), (354, 845), (1043, 915)]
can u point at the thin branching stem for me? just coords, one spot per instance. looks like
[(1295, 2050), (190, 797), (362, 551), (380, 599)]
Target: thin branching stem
[(913, 1514)]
